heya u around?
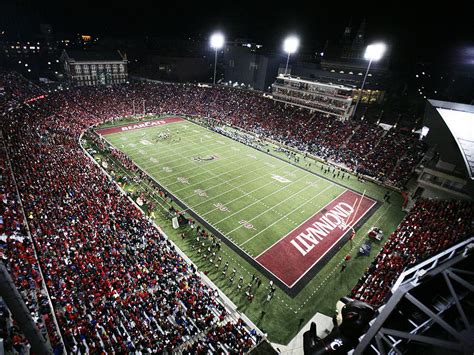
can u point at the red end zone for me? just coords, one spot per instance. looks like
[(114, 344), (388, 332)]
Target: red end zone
[(293, 256), (138, 125)]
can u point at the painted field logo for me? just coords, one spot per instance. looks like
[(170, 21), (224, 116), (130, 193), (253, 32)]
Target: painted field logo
[(131, 127), (200, 192), (221, 207), (247, 224), (311, 237), (306, 245), (182, 180), (144, 125), (205, 158), (280, 178)]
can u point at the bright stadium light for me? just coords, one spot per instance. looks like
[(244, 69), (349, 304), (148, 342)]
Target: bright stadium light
[(290, 46), (217, 42), (373, 52)]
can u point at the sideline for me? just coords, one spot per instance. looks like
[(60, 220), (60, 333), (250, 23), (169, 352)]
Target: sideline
[(224, 300)]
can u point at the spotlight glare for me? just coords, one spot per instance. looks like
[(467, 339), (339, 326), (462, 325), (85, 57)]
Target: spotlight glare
[(217, 40), (291, 44), (375, 51)]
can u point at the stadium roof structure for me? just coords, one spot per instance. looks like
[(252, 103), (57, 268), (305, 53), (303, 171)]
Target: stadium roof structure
[(94, 56), (459, 118)]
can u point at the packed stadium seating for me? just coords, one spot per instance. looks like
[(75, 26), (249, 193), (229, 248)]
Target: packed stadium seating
[(116, 283), (430, 227), (17, 254), (100, 255)]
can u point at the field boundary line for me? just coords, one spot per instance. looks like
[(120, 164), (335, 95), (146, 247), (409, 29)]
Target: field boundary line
[(279, 203), (278, 220), (259, 200)]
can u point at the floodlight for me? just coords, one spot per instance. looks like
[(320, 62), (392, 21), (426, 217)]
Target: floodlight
[(217, 40), (291, 44), (375, 51), (424, 131)]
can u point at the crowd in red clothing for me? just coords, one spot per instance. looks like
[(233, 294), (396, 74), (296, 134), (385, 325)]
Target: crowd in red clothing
[(226, 337), (17, 254), (115, 282), (430, 227)]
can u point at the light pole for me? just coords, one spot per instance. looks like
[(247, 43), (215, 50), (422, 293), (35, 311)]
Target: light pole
[(217, 42), (290, 46), (373, 52)]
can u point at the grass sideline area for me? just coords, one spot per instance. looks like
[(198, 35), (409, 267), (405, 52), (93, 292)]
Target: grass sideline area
[(282, 316)]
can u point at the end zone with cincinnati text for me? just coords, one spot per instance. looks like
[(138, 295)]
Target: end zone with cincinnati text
[(294, 255)]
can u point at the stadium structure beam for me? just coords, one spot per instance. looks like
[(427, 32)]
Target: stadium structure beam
[(17, 307), (456, 299), (434, 316), (422, 339)]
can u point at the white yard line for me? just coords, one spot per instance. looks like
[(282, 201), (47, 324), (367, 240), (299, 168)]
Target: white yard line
[(259, 200), (278, 220), (196, 165), (215, 176), (159, 149), (237, 198), (271, 208), (234, 188)]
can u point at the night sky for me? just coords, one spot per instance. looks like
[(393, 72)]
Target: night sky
[(423, 31)]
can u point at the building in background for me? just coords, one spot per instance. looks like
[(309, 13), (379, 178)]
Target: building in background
[(343, 63), (94, 68), (182, 69), (246, 64), (330, 99)]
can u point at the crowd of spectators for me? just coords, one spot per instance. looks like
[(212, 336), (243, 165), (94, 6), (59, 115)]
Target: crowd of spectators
[(17, 254), (430, 227), (116, 283)]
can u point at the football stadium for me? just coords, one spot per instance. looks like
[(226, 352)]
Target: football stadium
[(142, 215)]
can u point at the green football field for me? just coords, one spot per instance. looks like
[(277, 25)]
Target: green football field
[(253, 199), (238, 190)]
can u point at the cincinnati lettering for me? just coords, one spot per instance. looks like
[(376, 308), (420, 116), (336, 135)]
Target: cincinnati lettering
[(307, 240)]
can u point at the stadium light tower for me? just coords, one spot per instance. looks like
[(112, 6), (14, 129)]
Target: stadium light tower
[(217, 42), (290, 46), (373, 52)]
